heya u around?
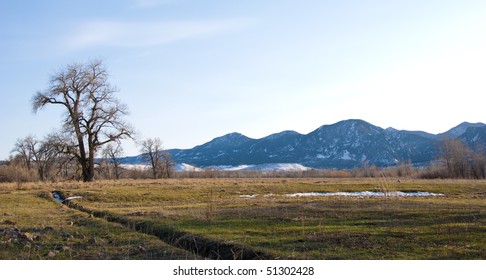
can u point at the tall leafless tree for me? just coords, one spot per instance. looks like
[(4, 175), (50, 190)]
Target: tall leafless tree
[(93, 115)]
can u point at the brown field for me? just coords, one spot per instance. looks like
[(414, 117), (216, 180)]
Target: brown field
[(217, 218)]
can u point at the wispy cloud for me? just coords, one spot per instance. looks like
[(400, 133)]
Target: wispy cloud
[(144, 4), (119, 34)]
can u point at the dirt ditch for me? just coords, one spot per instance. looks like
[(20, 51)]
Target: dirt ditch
[(200, 245)]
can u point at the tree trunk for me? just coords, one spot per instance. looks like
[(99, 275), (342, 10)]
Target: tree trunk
[(89, 171), (85, 170), (88, 176)]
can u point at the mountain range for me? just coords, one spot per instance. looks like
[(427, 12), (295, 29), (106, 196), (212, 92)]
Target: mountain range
[(343, 145)]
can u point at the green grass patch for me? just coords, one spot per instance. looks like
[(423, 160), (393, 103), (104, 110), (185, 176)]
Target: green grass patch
[(34, 226)]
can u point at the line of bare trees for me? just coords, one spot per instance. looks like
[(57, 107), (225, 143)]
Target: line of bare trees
[(39, 159), (455, 161), (45, 160)]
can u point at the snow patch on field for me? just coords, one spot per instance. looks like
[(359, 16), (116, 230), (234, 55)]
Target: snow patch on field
[(366, 194), (356, 194)]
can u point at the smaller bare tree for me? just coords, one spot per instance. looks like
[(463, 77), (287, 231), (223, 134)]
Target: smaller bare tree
[(66, 164), (159, 160), (45, 158), (112, 156), (24, 148), (167, 165)]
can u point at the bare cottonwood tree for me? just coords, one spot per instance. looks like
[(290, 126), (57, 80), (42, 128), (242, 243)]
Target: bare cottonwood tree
[(160, 163), (93, 115)]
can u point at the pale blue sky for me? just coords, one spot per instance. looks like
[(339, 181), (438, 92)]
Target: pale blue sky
[(192, 70)]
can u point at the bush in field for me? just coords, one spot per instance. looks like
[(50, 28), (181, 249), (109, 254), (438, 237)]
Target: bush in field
[(434, 171), (14, 171), (366, 171)]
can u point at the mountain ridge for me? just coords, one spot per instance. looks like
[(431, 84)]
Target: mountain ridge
[(342, 145)]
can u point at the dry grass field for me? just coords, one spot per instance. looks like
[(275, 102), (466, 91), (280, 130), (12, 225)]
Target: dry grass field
[(244, 218)]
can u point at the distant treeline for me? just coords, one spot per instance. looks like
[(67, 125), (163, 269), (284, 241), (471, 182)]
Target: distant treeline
[(456, 161)]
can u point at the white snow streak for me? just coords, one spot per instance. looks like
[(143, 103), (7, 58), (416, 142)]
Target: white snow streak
[(356, 194)]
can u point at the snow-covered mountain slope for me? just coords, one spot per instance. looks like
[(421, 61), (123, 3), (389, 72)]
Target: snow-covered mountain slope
[(263, 167)]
